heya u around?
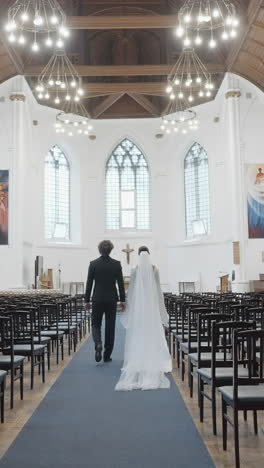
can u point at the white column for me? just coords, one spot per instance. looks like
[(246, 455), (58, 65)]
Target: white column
[(236, 177), (18, 179)]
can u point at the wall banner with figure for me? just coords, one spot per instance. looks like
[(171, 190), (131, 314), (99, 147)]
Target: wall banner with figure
[(255, 201), (4, 192)]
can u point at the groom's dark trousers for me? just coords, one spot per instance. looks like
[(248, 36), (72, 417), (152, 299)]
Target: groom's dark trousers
[(103, 275)]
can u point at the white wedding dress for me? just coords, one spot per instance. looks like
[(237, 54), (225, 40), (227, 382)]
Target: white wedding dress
[(147, 357)]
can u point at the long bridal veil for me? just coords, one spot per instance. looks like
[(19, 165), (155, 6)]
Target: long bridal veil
[(147, 358)]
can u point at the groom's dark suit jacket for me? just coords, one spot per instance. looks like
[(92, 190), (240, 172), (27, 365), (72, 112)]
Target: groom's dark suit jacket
[(104, 273)]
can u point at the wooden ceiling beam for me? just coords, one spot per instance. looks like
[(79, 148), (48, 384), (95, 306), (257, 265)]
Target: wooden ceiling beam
[(254, 56), (104, 105), (254, 41), (117, 2), (240, 71), (145, 103), (106, 89), (258, 25), (122, 70), (122, 22), (250, 70), (252, 13), (13, 55), (153, 89)]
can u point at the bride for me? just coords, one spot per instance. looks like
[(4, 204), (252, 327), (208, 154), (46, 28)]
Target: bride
[(147, 358)]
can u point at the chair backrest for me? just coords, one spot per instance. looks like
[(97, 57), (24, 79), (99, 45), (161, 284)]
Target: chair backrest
[(188, 319), (256, 314), (192, 315), (222, 341), (24, 325), (254, 360), (7, 336), (239, 311), (204, 331)]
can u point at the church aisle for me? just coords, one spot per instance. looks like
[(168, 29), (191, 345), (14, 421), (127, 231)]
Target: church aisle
[(83, 422)]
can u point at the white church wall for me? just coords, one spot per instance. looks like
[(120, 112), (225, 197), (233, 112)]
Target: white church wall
[(177, 258), (91, 158), (10, 255), (252, 104)]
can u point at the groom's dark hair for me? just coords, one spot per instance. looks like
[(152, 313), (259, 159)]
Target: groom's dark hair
[(105, 247), (143, 248)]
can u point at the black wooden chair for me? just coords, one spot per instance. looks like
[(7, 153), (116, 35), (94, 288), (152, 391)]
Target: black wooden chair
[(180, 334), (246, 393), (9, 362), (66, 324), (202, 358), (24, 344), (170, 304), (220, 373), (49, 319), (2, 394), (189, 344)]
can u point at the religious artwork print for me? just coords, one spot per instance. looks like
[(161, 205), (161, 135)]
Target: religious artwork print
[(255, 201), (4, 188)]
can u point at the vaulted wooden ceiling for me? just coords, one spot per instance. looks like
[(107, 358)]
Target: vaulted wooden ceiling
[(124, 50)]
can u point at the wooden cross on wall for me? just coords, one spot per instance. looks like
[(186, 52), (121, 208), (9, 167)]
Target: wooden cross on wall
[(128, 251)]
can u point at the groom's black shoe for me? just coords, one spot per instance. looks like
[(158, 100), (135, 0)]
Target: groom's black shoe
[(107, 358), (98, 352)]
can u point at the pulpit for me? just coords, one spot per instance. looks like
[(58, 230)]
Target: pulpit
[(224, 283)]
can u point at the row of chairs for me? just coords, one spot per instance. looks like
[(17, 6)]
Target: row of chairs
[(221, 340), (33, 329)]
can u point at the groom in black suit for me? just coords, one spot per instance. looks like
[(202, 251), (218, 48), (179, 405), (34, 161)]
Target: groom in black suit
[(104, 273)]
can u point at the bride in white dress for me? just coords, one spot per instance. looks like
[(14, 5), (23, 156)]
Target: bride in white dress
[(147, 357)]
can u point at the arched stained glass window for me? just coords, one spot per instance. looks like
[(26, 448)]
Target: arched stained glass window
[(127, 188), (197, 203), (57, 195)]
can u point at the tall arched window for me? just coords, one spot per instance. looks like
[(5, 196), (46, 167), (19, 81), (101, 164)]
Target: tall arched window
[(127, 188), (197, 203), (57, 195)]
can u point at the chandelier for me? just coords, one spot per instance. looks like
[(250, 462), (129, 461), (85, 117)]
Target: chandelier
[(200, 19), (189, 77), (59, 80), (178, 118), (36, 18), (73, 120)]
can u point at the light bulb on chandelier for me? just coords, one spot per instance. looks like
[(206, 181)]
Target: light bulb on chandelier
[(73, 120), (41, 18), (210, 19), (189, 77), (60, 78), (178, 117)]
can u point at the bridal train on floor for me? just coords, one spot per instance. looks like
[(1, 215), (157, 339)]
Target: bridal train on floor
[(147, 358)]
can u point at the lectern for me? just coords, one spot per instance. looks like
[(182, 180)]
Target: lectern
[(224, 283)]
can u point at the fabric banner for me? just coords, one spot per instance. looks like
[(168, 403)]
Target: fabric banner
[(255, 201), (4, 192)]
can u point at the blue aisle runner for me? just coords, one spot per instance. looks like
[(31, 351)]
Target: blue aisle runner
[(83, 422)]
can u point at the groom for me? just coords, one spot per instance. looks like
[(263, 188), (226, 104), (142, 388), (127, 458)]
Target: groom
[(104, 273)]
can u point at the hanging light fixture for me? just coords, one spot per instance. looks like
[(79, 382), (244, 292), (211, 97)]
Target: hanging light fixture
[(36, 18), (178, 118), (59, 80), (73, 120), (189, 78), (205, 21)]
